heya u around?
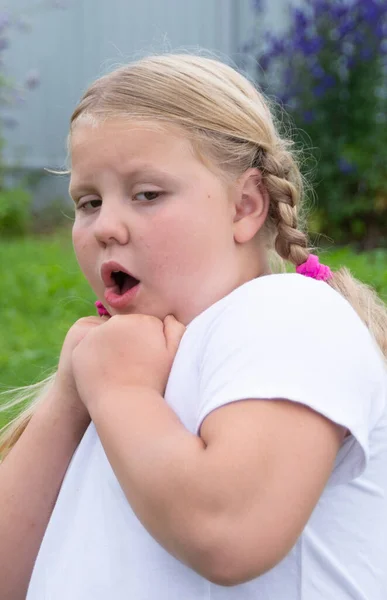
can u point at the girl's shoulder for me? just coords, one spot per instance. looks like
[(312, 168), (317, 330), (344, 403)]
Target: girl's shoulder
[(287, 336), (287, 301), (291, 319), (290, 290)]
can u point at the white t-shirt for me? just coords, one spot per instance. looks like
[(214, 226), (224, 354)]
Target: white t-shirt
[(278, 336)]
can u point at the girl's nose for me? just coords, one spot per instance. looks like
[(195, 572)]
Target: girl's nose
[(111, 226)]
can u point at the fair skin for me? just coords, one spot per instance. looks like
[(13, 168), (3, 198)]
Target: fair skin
[(231, 502), (198, 261)]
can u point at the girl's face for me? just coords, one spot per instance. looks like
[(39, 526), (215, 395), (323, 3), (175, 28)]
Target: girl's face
[(145, 201)]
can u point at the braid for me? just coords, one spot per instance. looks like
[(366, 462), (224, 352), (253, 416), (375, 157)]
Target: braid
[(284, 185)]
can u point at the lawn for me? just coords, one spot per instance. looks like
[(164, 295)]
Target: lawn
[(43, 293)]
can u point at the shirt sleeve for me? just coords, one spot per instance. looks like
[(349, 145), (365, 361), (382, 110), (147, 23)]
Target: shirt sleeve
[(294, 338)]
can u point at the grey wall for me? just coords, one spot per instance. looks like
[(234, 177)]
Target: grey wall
[(72, 47)]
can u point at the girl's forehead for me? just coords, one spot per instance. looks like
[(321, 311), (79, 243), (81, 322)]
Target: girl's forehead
[(123, 138), (88, 127), (121, 146)]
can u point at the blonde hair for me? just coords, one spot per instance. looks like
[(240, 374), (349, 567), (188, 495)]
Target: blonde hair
[(230, 123)]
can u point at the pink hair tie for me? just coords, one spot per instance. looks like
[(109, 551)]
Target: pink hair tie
[(312, 268), (101, 309)]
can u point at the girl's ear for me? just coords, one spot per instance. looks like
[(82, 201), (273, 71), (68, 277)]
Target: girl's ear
[(251, 205)]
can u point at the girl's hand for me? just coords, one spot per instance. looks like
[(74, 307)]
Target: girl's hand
[(64, 380), (126, 351)]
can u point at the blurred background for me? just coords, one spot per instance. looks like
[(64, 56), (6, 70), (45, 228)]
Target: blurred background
[(324, 63)]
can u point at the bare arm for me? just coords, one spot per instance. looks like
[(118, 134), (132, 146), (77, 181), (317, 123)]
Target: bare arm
[(232, 503), (30, 478)]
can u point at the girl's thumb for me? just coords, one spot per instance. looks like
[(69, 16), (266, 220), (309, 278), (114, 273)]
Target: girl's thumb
[(173, 332)]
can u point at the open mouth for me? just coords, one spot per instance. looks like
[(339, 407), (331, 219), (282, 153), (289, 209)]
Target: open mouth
[(123, 281)]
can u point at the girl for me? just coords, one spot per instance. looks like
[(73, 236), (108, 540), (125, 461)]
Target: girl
[(237, 446)]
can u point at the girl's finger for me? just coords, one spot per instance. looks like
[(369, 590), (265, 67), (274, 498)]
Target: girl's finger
[(173, 332), (103, 318)]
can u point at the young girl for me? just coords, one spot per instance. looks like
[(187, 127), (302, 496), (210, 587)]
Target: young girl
[(221, 431)]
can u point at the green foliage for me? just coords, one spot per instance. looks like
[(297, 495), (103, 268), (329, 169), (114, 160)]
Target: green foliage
[(15, 205), (328, 70), (369, 267), (53, 216), (43, 294)]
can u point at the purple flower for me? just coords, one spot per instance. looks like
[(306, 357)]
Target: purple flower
[(371, 11), (309, 47), (4, 21), (319, 91), (264, 61), (33, 79), (321, 8), (345, 28), (345, 166), (309, 116), (3, 44), (358, 37), (257, 5), (247, 47), (339, 12), (277, 47), (300, 19), (283, 98), (317, 71), (365, 53), (327, 82)]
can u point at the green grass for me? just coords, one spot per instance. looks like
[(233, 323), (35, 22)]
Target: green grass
[(369, 267), (43, 293)]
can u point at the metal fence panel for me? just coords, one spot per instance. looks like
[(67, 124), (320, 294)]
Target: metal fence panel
[(72, 47)]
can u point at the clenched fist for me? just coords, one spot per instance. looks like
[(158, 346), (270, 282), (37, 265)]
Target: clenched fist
[(125, 351)]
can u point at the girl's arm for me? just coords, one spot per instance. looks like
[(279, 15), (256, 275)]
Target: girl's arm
[(231, 503), (30, 479)]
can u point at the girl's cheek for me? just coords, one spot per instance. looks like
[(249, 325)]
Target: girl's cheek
[(78, 234), (80, 249), (75, 231)]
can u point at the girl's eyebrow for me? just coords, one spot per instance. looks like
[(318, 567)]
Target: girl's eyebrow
[(148, 171), (140, 171), (79, 190)]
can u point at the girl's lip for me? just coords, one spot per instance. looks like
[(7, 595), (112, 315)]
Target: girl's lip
[(107, 270), (120, 300)]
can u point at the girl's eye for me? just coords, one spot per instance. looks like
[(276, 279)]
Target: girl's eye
[(92, 203), (149, 195)]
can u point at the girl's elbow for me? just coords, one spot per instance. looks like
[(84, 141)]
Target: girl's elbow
[(228, 569), (229, 562)]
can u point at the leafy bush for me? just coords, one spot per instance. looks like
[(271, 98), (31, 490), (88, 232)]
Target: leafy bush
[(15, 206), (15, 201), (328, 69)]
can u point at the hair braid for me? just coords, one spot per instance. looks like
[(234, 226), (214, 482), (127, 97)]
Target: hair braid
[(284, 185)]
